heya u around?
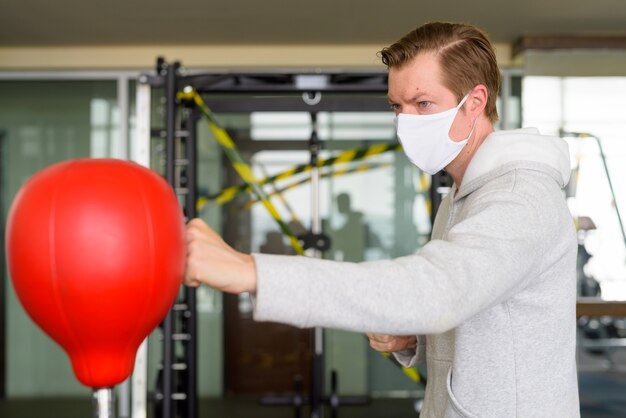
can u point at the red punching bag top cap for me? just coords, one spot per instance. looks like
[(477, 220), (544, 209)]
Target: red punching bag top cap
[(95, 249)]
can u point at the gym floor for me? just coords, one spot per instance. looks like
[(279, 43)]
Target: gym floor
[(602, 395), (208, 408)]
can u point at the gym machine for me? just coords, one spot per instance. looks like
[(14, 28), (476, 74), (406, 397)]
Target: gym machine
[(601, 322), (312, 92)]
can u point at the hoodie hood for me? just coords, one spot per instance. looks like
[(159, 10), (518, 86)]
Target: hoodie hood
[(521, 148)]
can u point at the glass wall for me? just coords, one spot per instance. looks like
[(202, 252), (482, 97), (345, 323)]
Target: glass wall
[(54, 120), (571, 106), (46, 122)]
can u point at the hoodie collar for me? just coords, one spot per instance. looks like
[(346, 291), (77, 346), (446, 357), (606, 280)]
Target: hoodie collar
[(503, 151)]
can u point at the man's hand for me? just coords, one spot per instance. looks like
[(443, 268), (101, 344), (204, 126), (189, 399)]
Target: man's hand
[(213, 262), (391, 343)]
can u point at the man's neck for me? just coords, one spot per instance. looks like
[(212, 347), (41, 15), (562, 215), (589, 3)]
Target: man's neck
[(457, 167)]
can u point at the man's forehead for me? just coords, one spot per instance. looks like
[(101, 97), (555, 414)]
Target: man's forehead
[(417, 76)]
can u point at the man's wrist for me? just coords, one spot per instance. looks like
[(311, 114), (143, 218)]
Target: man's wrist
[(249, 274)]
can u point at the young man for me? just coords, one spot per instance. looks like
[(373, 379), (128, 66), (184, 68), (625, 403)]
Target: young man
[(489, 302)]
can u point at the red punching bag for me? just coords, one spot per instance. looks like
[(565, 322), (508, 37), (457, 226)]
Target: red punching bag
[(96, 252)]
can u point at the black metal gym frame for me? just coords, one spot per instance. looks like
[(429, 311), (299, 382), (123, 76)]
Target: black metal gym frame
[(312, 92), (440, 184), (176, 388), (317, 244), (308, 97)]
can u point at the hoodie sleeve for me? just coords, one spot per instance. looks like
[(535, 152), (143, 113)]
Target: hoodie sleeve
[(411, 357), (485, 259)]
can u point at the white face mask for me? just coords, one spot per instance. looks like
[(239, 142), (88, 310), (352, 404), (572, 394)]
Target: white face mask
[(425, 138)]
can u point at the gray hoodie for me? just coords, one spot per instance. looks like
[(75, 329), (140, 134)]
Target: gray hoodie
[(491, 296)]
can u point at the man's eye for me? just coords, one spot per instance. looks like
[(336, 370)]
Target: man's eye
[(423, 104)]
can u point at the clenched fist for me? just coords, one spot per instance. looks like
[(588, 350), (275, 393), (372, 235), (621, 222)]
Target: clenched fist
[(213, 262), (391, 343)]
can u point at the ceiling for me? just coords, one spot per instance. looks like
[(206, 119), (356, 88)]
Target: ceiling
[(339, 22)]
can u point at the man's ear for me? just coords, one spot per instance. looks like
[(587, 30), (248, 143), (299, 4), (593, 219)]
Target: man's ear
[(477, 100)]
